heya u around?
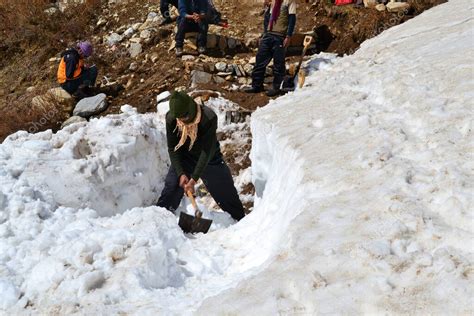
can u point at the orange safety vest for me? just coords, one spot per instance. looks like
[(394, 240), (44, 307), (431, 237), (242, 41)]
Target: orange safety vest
[(62, 70)]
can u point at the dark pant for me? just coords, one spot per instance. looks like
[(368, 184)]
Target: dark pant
[(271, 46), (218, 181), (165, 8), (186, 26), (88, 78)]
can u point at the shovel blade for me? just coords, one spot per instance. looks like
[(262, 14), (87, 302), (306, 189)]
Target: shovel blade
[(193, 225)]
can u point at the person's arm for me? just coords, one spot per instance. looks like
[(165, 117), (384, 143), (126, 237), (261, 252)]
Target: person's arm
[(172, 140), (71, 61), (182, 9), (209, 140), (291, 23)]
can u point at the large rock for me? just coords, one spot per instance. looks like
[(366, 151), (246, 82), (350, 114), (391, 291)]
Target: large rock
[(90, 106), (200, 77), (54, 98), (397, 6), (135, 49)]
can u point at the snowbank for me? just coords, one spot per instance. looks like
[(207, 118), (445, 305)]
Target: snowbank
[(366, 175)]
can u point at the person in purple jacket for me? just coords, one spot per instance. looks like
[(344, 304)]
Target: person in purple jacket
[(192, 18)]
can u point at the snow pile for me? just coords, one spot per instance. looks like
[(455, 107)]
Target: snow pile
[(110, 165), (366, 175)]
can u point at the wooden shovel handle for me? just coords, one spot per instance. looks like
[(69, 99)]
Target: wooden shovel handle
[(198, 213)]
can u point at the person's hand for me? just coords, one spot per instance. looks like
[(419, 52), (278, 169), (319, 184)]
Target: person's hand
[(183, 180), (286, 42), (196, 17), (189, 187)]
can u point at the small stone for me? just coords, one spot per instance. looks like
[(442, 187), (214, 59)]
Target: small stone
[(54, 59), (73, 120), (128, 32), (248, 68), (253, 60), (188, 58), (221, 67), (101, 22), (380, 7), (30, 89), (145, 34), (230, 68), (113, 39), (135, 49), (136, 26), (397, 6), (133, 66), (218, 79), (229, 78), (154, 57)]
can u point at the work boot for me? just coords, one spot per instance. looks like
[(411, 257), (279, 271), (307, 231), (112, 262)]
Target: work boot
[(253, 89), (179, 51), (202, 50), (274, 92)]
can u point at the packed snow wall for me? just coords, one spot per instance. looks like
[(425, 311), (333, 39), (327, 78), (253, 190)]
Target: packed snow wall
[(369, 167)]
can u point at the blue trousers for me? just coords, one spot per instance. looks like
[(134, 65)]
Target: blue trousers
[(186, 26), (218, 181), (88, 77), (271, 47)]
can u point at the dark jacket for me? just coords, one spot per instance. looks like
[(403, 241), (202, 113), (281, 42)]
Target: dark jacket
[(205, 148), (71, 58), (192, 6)]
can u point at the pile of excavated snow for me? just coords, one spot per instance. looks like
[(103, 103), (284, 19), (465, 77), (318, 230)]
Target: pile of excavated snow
[(363, 204), (371, 168)]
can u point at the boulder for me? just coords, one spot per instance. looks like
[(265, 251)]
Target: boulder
[(54, 98), (90, 106), (397, 6), (73, 120), (212, 40)]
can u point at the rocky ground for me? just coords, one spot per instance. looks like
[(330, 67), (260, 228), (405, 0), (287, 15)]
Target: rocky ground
[(133, 50)]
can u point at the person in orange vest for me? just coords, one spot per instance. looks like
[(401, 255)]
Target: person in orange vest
[(72, 71)]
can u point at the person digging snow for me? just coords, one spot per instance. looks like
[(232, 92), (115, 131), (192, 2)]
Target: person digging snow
[(72, 71), (195, 154), (279, 25), (192, 18)]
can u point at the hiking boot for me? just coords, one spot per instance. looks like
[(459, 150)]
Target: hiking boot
[(274, 92), (202, 50), (179, 51), (253, 89)]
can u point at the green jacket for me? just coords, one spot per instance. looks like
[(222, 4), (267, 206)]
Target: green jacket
[(206, 147)]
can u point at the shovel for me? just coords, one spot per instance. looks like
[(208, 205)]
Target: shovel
[(288, 83), (194, 224)]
